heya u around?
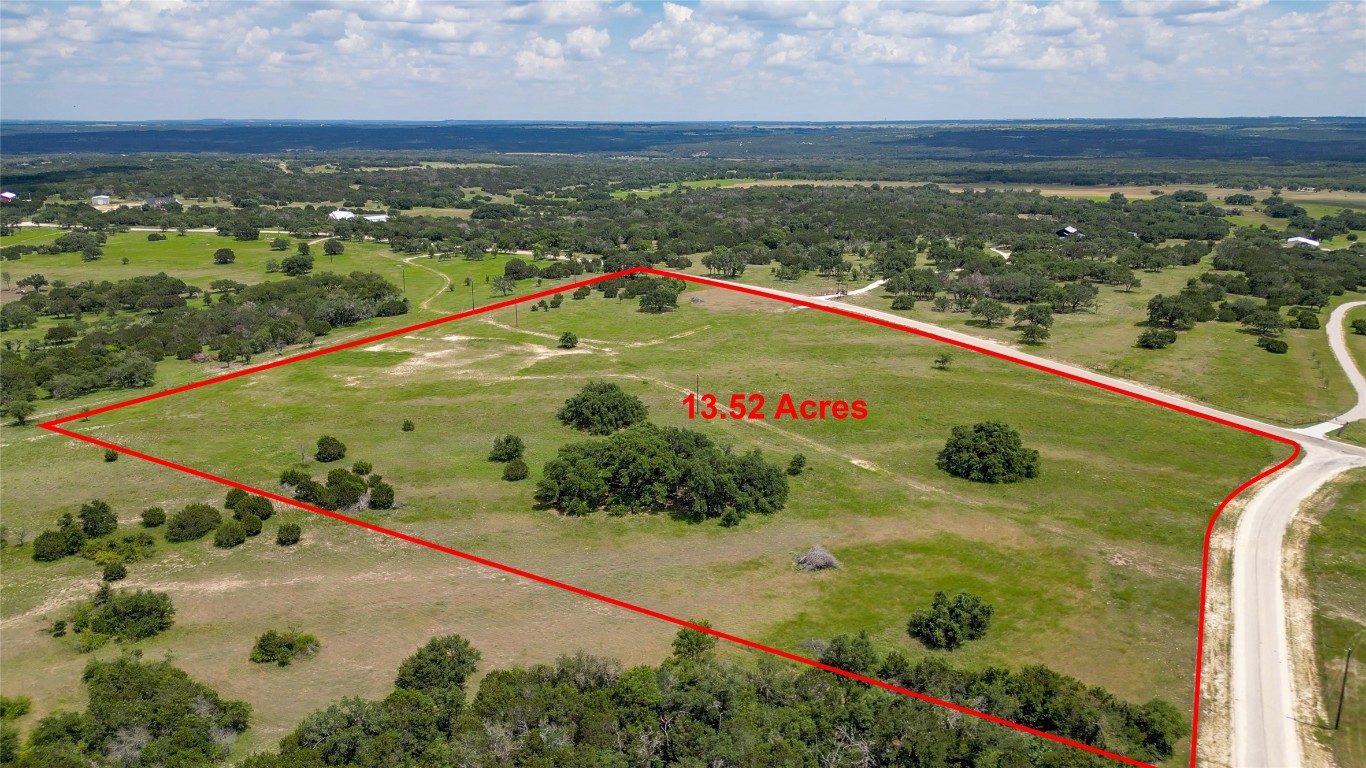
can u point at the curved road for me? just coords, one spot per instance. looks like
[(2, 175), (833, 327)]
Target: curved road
[(1264, 725)]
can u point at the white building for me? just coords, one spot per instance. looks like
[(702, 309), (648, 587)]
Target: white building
[(377, 217), (99, 200), (340, 215), (1305, 241), (8, 197)]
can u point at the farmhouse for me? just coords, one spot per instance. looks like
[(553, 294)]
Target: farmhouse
[(340, 215), (160, 201), (99, 199), (1307, 242), (1068, 231)]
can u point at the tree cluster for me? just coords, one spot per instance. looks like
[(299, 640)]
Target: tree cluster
[(647, 468), (589, 711), (139, 714)]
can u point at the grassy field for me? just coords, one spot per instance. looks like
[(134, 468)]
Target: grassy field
[(1101, 553), (1337, 573), (1216, 362)]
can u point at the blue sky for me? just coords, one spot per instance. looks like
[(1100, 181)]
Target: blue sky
[(702, 60)]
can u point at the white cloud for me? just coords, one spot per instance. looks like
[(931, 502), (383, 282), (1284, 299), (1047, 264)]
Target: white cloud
[(587, 42)]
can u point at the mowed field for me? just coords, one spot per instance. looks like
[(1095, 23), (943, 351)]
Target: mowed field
[(1336, 564), (1093, 567)]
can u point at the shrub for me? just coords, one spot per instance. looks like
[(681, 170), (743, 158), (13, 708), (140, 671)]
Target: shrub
[(251, 524), (97, 519), (330, 449), (568, 340), (153, 517), (49, 546), (1156, 338), (443, 663), (288, 534), (115, 571), (126, 616), (797, 465), (381, 496), (293, 477), (192, 522), (1310, 321), (507, 448), (254, 506), (602, 408), (903, 302), (155, 237), (1359, 326), (230, 534), (235, 496), (515, 470), (362, 468), (111, 455), (948, 623), (281, 648), (1277, 346), (989, 452), (408, 425), (582, 292), (556, 300), (14, 707)]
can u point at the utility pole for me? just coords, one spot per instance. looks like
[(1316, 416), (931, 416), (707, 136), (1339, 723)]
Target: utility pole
[(1342, 693), (471, 294)]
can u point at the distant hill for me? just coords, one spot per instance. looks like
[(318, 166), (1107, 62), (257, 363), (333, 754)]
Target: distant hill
[(1328, 139)]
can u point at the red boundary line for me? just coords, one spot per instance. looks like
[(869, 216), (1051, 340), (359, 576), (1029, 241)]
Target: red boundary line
[(54, 425)]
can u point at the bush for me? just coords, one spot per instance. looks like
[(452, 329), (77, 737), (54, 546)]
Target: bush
[(155, 237), (115, 571), (254, 506), (568, 340), (235, 496), (97, 519), (1156, 338), (14, 707), (443, 663), (408, 425), (989, 452), (797, 465), (515, 470), (230, 534), (281, 648), (330, 449), (288, 534), (224, 256), (1310, 321), (1359, 326), (362, 468), (948, 623), (293, 476), (251, 524), (507, 448), (1277, 346), (49, 546), (153, 517), (192, 522), (602, 408), (381, 496), (582, 292), (903, 302), (125, 616), (111, 455)]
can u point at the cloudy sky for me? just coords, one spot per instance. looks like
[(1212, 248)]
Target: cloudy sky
[(702, 60)]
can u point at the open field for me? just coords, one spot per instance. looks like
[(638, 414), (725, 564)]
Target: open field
[(1101, 552), (1216, 362), (1337, 573)]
